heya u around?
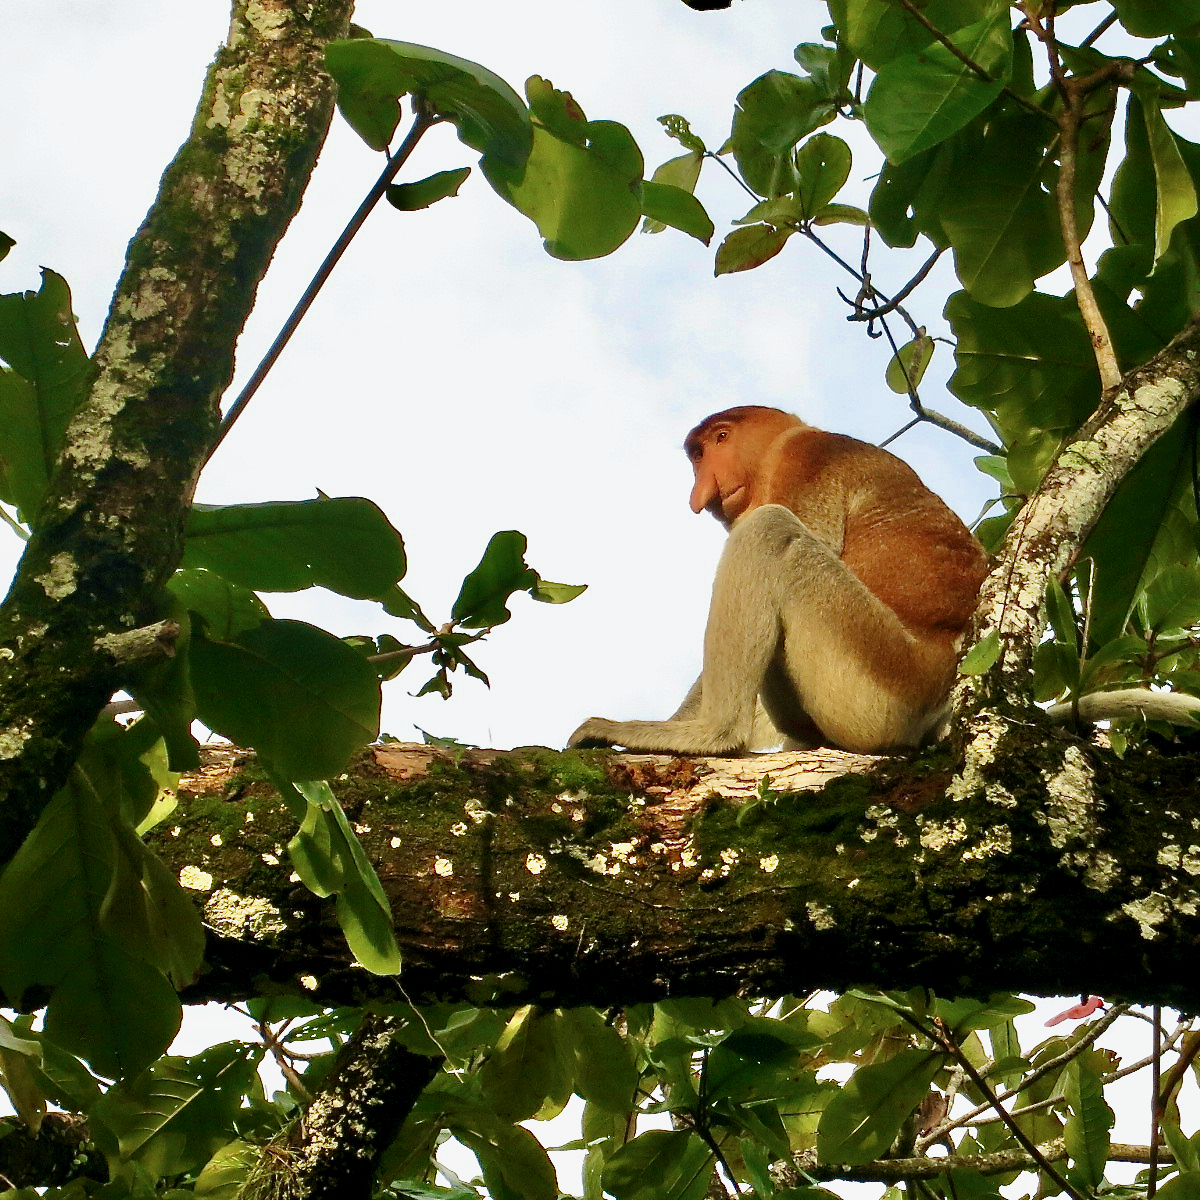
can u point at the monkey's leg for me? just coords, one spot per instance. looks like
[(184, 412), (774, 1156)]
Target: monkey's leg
[(787, 614)]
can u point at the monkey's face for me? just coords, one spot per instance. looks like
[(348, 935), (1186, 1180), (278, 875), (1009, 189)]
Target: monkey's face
[(723, 476)]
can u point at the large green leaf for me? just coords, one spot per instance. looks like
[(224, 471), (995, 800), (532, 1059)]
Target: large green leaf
[(330, 861), (663, 205), (605, 1072), (68, 924), (1176, 193), (1153, 18), (299, 696), (373, 73), (919, 100), (342, 543), (1001, 218), (581, 181), (483, 599), (822, 166), (773, 114), (513, 1162), (657, 1164), (862, 1120), (40, 389), (227, 608), (1031, 365), (527, 1066), (1090, 1120), (879, 32), (175, 1116)]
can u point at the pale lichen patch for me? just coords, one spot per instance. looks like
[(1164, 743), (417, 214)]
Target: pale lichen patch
[(560, 922), (232, 915), (12, 740), (941, 835), (195, 880), (995, 840), (820, 916), (1149, 912), (769, 863), (1070, 799), (443, 867), (535, 864), (60, 581), (475, 811)]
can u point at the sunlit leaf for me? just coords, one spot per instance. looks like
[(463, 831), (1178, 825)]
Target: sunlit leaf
[(409, 197)]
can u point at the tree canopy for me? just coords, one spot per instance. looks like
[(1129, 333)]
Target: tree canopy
[(469, 939)]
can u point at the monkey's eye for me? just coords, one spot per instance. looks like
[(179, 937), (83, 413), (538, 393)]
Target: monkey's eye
[(720, 435)]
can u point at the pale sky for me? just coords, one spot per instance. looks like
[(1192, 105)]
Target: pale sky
[(455, 373)]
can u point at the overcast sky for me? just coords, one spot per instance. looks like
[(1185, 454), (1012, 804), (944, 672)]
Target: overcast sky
[(451, 370)]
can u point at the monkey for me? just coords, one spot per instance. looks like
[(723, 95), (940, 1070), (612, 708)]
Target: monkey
[(839, 604)]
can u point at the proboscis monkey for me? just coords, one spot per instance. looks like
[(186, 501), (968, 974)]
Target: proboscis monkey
[(840, 599)]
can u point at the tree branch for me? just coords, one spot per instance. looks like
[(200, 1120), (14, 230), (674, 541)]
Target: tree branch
[(111, 528)]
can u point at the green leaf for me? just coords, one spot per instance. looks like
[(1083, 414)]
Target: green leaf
[(6, 244), (749, 247), (227, 608), (822, 167), (227, 1170), (677, 127), (330, 861), (605, 1072), (1173, 598), (982, 656), (1087, 1129), (909, 363), (526, 1066), (657, 1164), (841, 214), (579, 182), (919, 100), (1185, 1186), (175, 1116), (408, 197), (299, 696), (1001, 216), (40, 389), (1153, 18), (773, 114), (1176, 193), (373, 73), (342, 543), (862, 1120), (107, 1003), (514, 1164), (879, 32), (1031, 365), (483, 599), (665, 205), (682, 172)]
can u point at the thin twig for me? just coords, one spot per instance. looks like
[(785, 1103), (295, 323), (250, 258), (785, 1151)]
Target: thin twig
[(422, 122), (1061, 1060), (1156, 1100), (902, 295)]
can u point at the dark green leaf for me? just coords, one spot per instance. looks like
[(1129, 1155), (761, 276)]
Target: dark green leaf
[(862, 1120), (655, 1165), (664, 204), (527, 1066), (921, 99), (605, 1072), (373, 73), (514, 1164), (483, 599), (330, 861), (342, 543), (227, 608), (40, 389), (299, 696), (822, 167), (175, 1116), (1090, 1120), (773, 114), (1153, 18), (1176, 193), (408, 197)]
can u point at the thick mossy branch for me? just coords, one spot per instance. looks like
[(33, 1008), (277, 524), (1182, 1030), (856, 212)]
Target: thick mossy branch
[(110, 529), (609, 879)]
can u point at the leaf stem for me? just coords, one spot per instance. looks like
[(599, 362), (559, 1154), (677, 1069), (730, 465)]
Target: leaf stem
[(422, 121)]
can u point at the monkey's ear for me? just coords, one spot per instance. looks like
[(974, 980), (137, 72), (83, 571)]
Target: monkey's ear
[(707, 5)]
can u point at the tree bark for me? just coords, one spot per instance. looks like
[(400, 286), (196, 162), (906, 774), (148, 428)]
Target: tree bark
[(110, 530), (604, 879)]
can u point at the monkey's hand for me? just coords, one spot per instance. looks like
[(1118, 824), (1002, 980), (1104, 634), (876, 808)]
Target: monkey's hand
[(594, 733)]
